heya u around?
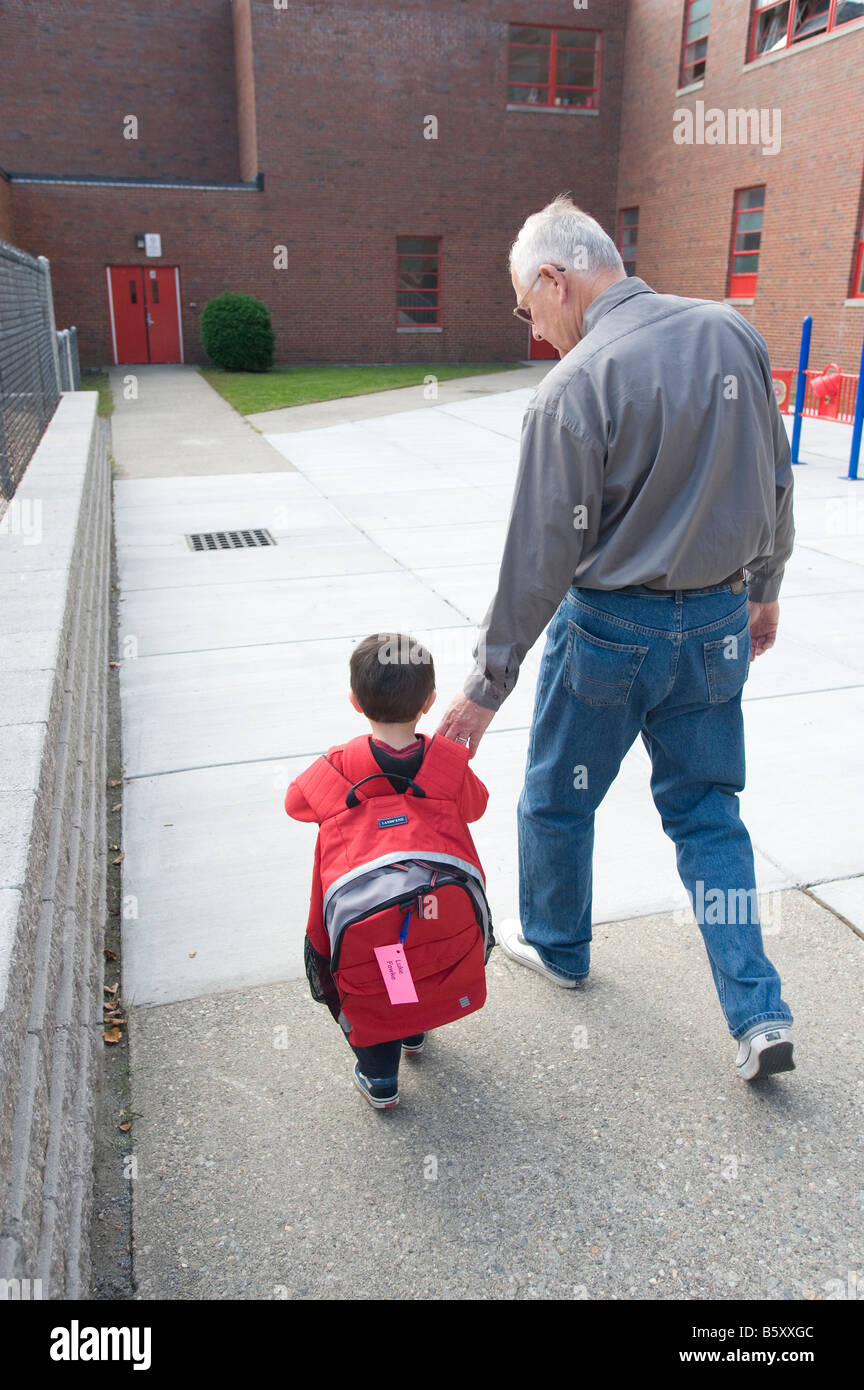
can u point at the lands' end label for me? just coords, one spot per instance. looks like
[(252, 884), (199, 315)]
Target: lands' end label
[(392, 820)]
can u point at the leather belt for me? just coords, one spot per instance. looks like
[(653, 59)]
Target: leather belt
[(736, 579)]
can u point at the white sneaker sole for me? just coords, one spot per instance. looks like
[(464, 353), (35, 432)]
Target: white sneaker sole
[(775, 1058), (532, 960), (378, 1104)]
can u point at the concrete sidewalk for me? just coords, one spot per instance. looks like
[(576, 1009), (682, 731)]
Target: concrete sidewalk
[(590, 1144)]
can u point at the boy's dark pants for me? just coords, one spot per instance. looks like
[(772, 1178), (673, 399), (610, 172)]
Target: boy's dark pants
[(380, 1060)]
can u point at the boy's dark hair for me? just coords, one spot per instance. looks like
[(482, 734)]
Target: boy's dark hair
[(391, 675)]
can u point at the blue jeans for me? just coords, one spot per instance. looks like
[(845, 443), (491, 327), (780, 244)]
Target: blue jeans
[(670, 666)]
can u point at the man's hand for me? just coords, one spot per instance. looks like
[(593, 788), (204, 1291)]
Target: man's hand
[(764, 618), (464, 721)]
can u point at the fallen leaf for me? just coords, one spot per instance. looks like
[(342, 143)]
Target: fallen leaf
[(112, 955), (192, 953), (115, 663), (118, 807), (110, 989), (119, 858), (115, 781), (113, 1036), (125, 1125)]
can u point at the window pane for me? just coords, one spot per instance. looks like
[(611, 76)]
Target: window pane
[(746, 265), (747, 241), (861, 278), (521, 34), (848, 10), (811, 17), (528, 65), (698, 9), (751, 197), (577, 38), (566, 96), (771, 29), (750, 220), (538, 95), (575, 69), (417, 316), (629, 217), (696, 31)]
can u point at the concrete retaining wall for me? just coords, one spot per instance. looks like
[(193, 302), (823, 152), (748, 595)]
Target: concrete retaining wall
[(54, 618)]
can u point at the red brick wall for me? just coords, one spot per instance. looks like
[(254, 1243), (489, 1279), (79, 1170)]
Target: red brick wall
[(71, 70), (83, 229), (348, 168), (7, 225), (342, 89), (814, 185), (244, 64)]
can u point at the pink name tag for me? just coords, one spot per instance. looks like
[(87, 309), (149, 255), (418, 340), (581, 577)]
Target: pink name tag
[(397, 976)]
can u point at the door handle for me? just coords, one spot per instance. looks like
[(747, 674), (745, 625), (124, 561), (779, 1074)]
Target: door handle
[(149, 320)]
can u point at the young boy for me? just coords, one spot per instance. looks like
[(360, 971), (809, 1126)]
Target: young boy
[(392, 684)]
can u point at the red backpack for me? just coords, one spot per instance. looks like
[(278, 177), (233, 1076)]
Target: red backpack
[(399, 867)]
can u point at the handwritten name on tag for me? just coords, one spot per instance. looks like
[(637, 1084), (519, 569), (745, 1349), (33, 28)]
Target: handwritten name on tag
[(397, 975)]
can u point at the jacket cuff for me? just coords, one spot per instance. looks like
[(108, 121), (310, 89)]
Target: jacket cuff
[(481, 691), (764, 590)]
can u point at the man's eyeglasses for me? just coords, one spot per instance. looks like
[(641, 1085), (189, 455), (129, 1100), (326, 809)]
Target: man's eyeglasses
[(525, 314)]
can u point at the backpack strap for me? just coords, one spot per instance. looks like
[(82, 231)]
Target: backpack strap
[(442, 771), (324, 787)]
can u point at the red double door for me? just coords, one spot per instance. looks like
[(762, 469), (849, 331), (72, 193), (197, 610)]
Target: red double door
[(144, 309)]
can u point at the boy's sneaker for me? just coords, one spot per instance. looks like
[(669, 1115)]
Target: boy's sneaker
[(380, 1091), (411, 1046), (766, 1051), (515, 946)]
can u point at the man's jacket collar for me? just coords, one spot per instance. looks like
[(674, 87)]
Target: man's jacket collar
[(611, 297)]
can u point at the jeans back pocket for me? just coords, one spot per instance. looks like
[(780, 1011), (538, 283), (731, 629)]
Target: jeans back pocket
[(600, 672), (727, 663)]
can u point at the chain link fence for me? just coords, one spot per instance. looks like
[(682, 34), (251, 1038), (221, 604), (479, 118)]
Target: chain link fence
[(34, 366)]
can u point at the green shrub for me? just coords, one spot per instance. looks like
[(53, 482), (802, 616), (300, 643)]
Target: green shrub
[(236, 333)]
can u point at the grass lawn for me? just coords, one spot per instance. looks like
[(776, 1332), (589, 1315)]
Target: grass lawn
[(249, 392), (99, 381)]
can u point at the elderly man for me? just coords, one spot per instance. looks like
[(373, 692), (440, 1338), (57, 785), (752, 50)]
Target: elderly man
[(654, 469)]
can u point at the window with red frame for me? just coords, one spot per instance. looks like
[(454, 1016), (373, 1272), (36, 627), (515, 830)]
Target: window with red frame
[(785, 22), (418, 282), (858, 281), (746, 242), (553, 67), (628, 235), (694, 47)]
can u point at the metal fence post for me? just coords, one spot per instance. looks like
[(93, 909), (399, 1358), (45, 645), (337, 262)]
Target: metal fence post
[(857, 422), (49, 310), (801, 385)]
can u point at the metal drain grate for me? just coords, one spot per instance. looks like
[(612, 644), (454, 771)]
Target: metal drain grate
[(229, 540)]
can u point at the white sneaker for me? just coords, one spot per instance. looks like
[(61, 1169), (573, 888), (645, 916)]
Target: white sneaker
[(766, 1051), (509, 936)]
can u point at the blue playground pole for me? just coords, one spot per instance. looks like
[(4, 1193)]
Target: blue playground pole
[(801, 385), (857, 422)]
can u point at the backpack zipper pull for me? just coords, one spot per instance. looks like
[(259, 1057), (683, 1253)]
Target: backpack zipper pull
[(404, 932)]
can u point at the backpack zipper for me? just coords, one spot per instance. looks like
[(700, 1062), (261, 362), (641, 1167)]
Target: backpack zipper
[(415, 897)]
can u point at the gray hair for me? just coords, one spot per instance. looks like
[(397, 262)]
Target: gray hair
[(564, 235)]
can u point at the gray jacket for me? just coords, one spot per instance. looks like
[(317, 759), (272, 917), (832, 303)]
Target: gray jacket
[(653, 452)]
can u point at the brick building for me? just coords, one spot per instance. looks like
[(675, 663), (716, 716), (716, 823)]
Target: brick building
[(363, 167), (802, 194)]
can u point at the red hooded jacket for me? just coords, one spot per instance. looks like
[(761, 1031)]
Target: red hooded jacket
[(454, 796)]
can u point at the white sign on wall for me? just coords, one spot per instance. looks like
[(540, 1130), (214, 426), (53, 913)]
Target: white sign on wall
[(152, 244)]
